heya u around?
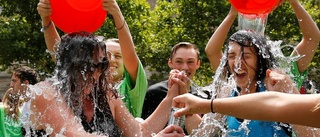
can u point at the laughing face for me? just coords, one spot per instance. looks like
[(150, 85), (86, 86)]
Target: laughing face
[(242, 62), (185, 59), (116, 61)]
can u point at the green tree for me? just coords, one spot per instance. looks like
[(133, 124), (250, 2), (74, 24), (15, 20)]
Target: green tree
[(189, 21), (20, 36), (195, 22), (154, 32)]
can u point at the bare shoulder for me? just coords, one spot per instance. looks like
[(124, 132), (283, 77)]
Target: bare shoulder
[(44, 94)]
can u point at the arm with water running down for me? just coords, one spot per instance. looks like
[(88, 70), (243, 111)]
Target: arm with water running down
[(310, 35), (267, 106), (157, 120), (51, 35), (130, 58), (215, 44)]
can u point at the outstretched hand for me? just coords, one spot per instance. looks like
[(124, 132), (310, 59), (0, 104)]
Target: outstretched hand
[(190, 104)]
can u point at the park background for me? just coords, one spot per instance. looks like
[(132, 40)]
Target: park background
[(155, 25)]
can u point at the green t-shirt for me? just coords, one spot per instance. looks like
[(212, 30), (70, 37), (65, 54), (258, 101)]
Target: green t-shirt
[(297, 76), (8, 126), (134, 93)]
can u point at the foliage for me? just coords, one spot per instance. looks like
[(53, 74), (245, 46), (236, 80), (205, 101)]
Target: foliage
[(154, 31), (20, 36)]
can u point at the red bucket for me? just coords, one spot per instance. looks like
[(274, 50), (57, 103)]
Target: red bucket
[(78, 15), (254, 6)]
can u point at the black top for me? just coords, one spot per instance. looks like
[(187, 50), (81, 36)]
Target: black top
[(35, 133), (102, 123)]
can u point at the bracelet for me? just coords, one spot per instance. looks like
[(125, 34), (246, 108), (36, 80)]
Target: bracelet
[(212, 106), (44, 28), (124, 22)]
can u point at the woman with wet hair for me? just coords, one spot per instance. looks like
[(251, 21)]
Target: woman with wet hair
[(81, 66), (128, 75), (79, 101), (304, 50), (248, 63), (258, 46)]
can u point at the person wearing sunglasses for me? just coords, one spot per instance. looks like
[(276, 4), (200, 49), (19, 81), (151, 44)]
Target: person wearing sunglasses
[(128, 75), (79, 100)]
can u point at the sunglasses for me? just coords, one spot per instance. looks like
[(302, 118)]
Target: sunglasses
[(101, 65)]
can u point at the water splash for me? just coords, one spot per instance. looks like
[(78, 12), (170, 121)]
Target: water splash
[(253, 22), (223, 85), (285, 62), (209, 126), (204, 92)]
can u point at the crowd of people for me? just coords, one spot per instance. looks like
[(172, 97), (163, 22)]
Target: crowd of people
[(100, 87)]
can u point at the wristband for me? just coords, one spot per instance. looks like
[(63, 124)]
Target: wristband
[(44, 28), (124, 22), (212, 106)]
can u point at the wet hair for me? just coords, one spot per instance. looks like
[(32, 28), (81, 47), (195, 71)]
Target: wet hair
[(249, 38), (186, 45), (77, 61), (11, 104), (25, 73)]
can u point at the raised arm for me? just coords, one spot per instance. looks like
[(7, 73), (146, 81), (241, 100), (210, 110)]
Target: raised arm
[(130, 58), (215, 44), (310, 33), (267, 106), (51, 35)]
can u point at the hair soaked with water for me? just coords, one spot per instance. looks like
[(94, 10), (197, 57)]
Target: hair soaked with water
[(249, 38), (76, 64)]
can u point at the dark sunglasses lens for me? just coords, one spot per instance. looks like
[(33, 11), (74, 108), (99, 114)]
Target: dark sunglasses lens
[(102, 65)]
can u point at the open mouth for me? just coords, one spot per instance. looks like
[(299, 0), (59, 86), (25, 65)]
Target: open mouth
[(241, 75)]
